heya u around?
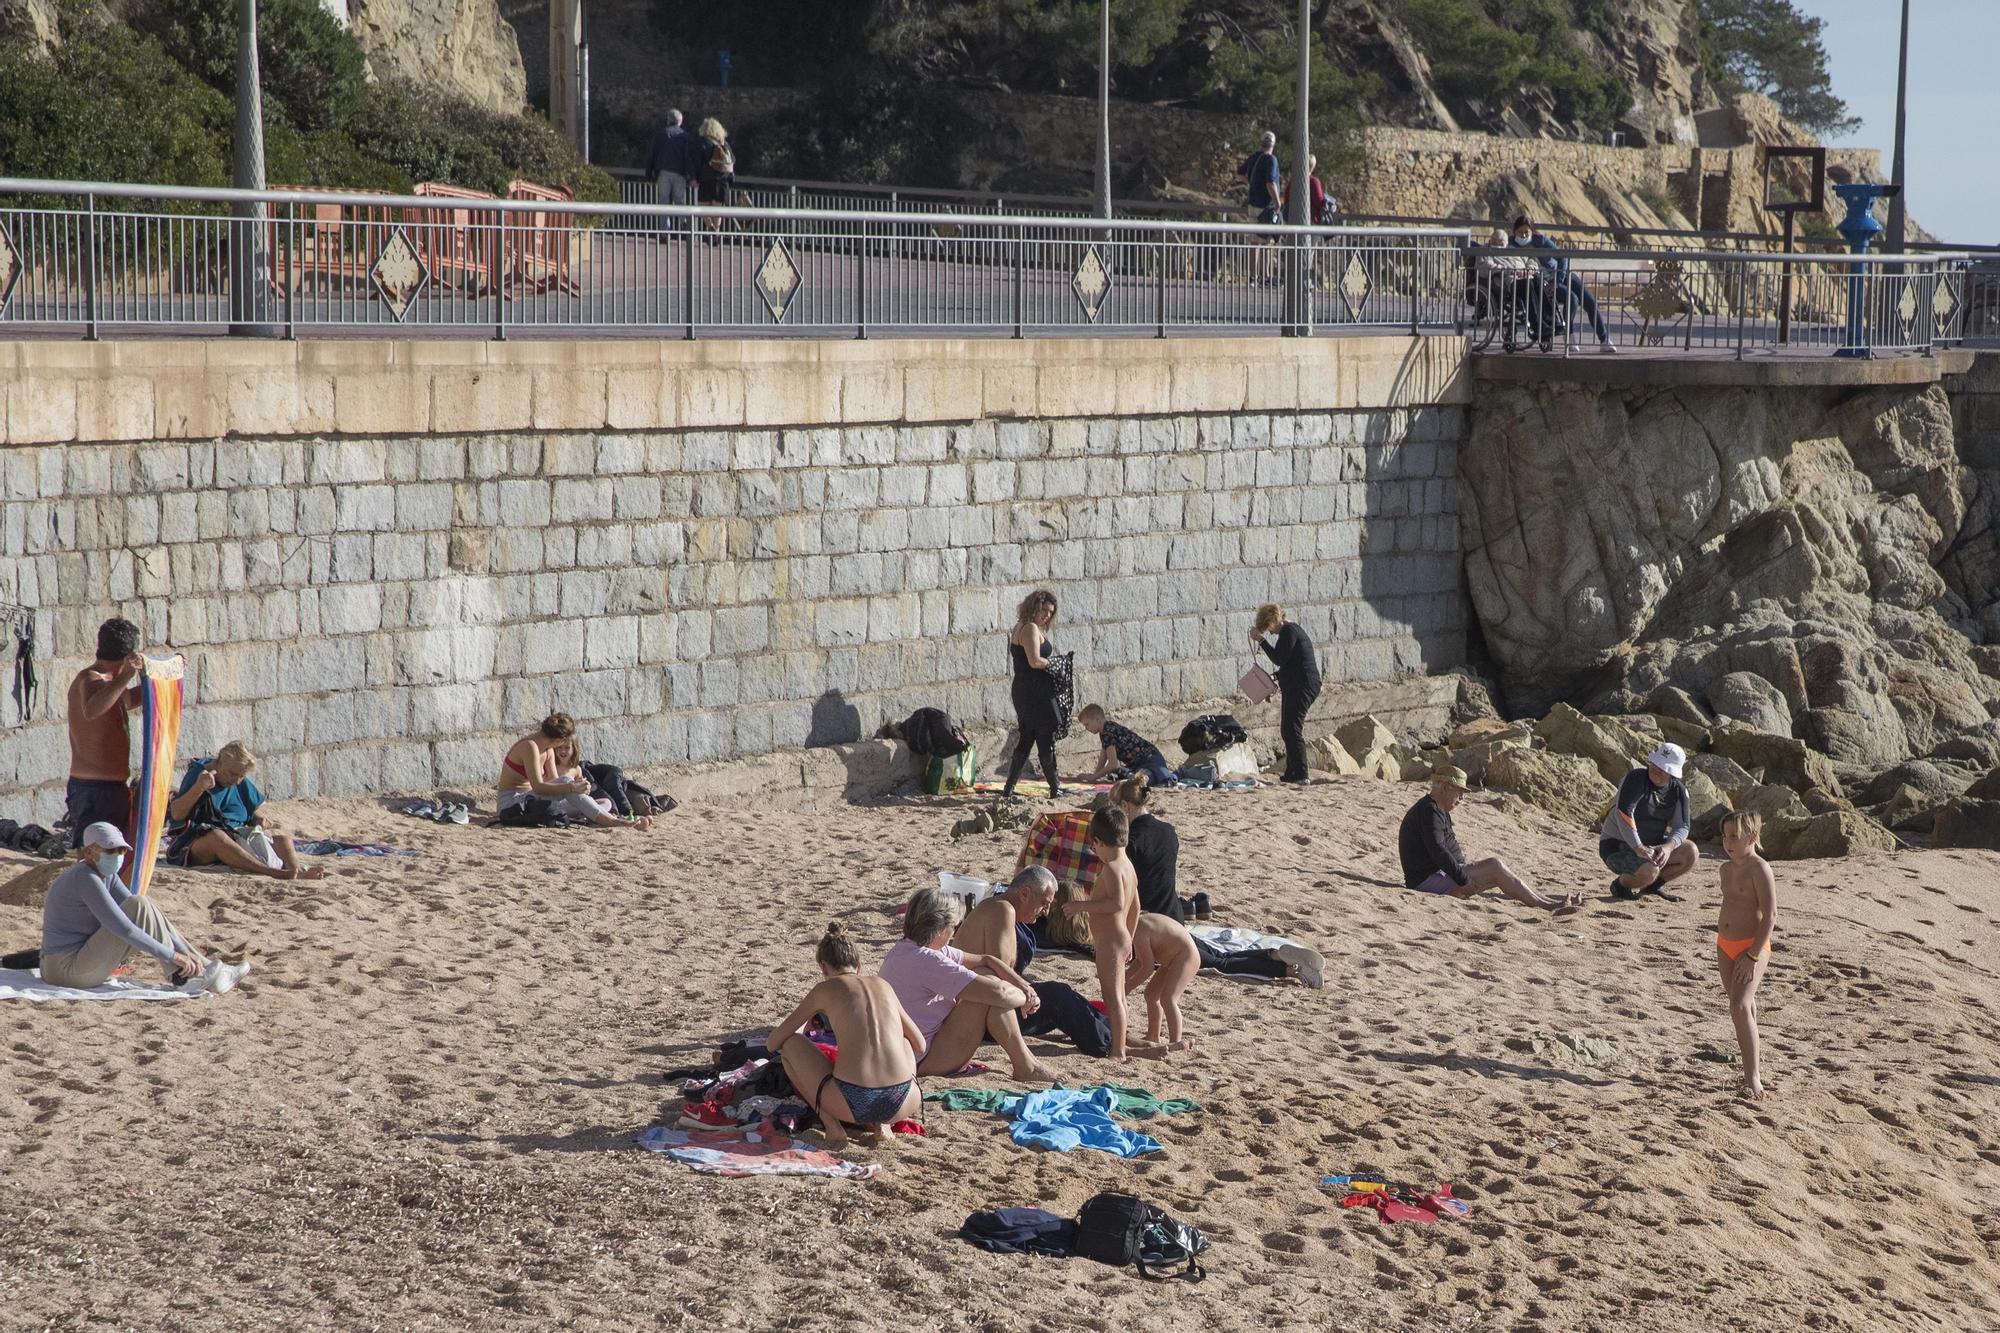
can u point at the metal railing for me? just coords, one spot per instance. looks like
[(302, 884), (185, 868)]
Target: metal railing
[(94, 257), (1716, 301)]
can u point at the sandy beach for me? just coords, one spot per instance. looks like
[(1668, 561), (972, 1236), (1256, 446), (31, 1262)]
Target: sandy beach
[(418, 1111)]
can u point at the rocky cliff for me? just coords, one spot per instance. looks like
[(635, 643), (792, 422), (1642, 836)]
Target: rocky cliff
[(461, 46), (1816, 563)]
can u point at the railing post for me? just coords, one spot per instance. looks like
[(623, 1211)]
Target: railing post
[(861, 284), (288, 246), (687, 269), (1020, 244), (1416, 293), (1160, 289), (90, 268), (1742, 303), (500, 275)]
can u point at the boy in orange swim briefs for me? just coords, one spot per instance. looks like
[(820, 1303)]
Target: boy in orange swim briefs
[(1743, 933)]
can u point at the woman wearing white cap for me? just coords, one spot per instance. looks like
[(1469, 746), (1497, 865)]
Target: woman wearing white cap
[(92, 923), (1645, 832)]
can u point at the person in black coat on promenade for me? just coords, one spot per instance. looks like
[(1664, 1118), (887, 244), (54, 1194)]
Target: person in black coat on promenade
[(1297, 664)]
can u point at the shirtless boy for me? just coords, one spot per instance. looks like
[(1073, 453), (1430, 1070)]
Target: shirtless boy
[(100, 750), (1743, 933), (1164, 960), (1113, 909), (876, 1083)]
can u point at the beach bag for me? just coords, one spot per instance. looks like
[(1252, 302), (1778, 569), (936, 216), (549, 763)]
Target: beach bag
[(1119, 1229), (1257, 684), (1110, 1227), (953, 772), (721, 160), (535, 812), (1211, 731), (1227, 764), (1165, 1242)]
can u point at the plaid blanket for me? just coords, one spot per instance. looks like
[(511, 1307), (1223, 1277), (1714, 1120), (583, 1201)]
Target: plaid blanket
[(1060, 840)]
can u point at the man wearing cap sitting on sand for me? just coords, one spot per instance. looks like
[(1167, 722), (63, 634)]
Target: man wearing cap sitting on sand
[(1646, 829), (92, 923), (1432, 862)]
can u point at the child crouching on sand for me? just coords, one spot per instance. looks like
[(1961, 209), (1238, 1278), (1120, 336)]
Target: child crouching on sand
[(1743, 933), (1164, 961)]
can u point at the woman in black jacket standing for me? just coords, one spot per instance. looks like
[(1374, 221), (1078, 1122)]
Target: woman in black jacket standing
[(1036, 714), (1297, 665)]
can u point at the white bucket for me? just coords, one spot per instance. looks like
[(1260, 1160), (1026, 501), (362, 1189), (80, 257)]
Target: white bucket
[(968, 890)]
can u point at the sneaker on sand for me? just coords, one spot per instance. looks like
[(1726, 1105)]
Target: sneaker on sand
[(218, 978), (455, 814), (1311, 967)]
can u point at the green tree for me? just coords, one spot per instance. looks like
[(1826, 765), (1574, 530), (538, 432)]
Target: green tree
[(1769, 47), (1502, 49), (314, 75)]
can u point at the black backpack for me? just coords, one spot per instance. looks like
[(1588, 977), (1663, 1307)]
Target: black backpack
[(1212, 731), (1119, 1229), (931, 733)]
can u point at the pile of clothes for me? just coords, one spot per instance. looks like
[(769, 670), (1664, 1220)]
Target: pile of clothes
[(1394, 1201), (747, 1086), (34, 840)]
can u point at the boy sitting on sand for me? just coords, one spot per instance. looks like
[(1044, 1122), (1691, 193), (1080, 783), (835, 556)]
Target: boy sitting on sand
[(1743, 933), (1113, 909), (1124, 747), (1164, 960)]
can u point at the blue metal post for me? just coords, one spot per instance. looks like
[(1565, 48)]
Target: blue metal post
[(1860, 228)]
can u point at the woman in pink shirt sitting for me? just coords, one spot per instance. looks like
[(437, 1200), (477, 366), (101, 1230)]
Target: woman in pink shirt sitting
[(957, 999)]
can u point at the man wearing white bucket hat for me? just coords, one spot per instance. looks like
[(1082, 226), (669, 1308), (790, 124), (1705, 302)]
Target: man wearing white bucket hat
[(92, 923), (1644, 839)]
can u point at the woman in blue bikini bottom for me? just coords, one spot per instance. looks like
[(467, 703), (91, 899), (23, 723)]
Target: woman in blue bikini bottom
[(877, 1045)]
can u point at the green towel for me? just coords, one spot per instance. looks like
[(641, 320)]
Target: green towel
[(1137, 1103)]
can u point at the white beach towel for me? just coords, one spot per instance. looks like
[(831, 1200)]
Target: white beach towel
[(18, 985)]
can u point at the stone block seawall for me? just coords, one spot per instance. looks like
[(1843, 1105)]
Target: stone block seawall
[(383, 560)]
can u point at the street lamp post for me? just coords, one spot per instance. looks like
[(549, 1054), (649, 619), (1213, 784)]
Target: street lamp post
[(247, 247), (1298, 313), (1103, 171), (1897, 215)]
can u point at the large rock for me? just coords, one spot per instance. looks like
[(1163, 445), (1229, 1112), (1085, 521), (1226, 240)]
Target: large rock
[(1932, 784), (1329, 755), (1475, 757), (1706, 804), (1777, 759), (1477, 729), (1474, 699), (1967, 822), (1631, 548), (1365, 736), (1671, 701), (1987, 788), (461, 46), (1753, 701), (1728, 775), (33, 23), (1771, 801), (1976, 749), (1615, 748), (1567, 786), (1836, 833), (1907, 810)]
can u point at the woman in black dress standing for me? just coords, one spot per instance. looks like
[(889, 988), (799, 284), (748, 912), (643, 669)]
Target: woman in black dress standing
[(1035, 712), (1297, 664)]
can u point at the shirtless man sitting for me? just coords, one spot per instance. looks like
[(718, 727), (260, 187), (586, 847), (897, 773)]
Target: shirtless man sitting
[(875, 1083), (100, 748), (1002, 926)]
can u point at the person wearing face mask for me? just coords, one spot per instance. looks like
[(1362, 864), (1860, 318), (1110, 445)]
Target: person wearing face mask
[(1564, 285), (92, 923)]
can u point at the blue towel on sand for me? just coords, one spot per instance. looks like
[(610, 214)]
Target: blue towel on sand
[(1063, 1118)]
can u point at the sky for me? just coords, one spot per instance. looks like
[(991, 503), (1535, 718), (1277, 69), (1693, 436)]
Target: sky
[(1954, 102)]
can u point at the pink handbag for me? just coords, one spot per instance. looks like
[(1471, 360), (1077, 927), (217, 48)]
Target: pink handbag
[(1257, 684)]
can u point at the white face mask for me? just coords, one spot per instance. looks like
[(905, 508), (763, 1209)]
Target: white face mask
[(108, 863)]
